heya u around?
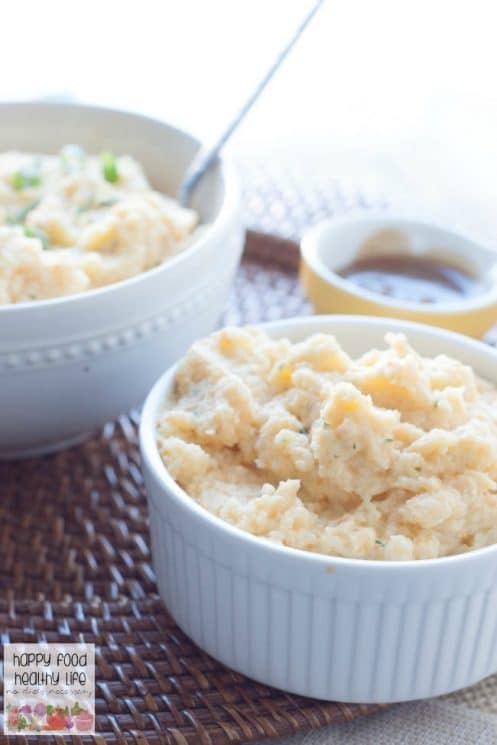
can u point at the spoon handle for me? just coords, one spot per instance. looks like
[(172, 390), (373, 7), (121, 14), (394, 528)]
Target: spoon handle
[(207, 154)]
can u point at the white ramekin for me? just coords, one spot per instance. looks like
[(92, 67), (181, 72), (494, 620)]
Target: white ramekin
[(70, 364), (332, 628)]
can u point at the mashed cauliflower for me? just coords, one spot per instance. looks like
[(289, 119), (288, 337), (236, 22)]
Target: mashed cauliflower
[(73, 222), (388, 456)]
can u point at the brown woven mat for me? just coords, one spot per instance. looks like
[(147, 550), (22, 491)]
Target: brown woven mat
[(75, 565)]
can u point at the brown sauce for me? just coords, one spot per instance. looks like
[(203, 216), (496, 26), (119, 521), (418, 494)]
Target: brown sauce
[(418, 279)]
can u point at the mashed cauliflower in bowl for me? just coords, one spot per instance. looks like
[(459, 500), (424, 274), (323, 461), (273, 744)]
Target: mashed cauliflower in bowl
[(372, 579), (104, 280), (73, 222), (388, 455)]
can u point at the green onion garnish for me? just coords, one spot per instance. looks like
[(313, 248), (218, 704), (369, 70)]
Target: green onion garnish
[(109, 167), (39, 234), (26, 177)]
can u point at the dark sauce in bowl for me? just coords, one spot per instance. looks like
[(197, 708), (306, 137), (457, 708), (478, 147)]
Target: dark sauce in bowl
[(415, 279)]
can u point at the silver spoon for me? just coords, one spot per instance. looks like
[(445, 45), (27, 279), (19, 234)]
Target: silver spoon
[(207, 154)]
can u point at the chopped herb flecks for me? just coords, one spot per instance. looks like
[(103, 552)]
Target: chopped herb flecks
[(39, 234), (26, 177), (109, 167), (380, 543)]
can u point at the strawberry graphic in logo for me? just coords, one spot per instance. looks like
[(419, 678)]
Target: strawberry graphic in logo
[(13, 716)]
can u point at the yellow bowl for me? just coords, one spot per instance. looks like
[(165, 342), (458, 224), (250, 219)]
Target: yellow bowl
[(335, 243)]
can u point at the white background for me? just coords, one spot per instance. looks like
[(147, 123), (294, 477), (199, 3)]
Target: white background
[(397, 95)]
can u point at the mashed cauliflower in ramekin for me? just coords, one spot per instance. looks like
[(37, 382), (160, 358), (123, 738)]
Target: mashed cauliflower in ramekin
[(73, 222), (388, 456)]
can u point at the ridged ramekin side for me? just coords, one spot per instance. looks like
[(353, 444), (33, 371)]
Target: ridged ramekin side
[(379, 646), (338, 629)]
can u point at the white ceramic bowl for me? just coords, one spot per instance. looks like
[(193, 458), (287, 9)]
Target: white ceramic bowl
[(70, 364), (332, 628)]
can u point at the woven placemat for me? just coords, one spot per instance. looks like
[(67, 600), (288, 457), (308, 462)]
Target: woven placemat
[(75, 565)]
